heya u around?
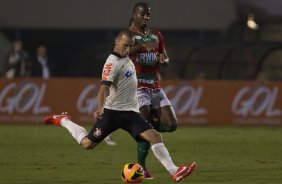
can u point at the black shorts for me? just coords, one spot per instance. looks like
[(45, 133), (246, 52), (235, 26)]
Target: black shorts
[(130, 121)]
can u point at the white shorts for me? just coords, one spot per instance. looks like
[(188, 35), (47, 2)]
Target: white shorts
[(155, 98)]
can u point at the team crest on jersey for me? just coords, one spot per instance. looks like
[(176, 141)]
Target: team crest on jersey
[(138, 37), (128, 73), (97, 133)]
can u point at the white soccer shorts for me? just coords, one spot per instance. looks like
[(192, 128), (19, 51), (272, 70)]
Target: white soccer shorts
[(153, 98)]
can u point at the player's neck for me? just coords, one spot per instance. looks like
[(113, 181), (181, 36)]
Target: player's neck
[(139, 30), (118, 54)]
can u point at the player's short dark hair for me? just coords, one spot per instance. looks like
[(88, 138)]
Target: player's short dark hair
[(140, 4), (125, 32)]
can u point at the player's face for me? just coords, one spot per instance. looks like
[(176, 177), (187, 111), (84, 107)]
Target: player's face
[(141, 16), (18, 46), (42, 51), (124, 45)]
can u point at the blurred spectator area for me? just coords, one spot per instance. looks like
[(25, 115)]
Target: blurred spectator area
[(233, 60), (5, 46), (225, 39), (193, 54)]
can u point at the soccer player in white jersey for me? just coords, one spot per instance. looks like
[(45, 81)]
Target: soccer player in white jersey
[(120, 110)]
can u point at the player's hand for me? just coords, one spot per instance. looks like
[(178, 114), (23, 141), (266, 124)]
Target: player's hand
[(97, 115), (161, 58)]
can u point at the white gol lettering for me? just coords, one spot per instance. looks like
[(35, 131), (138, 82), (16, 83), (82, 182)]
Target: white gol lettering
[(190, 103), (10, 101), (91, 103), (266, 97), (29, 96)]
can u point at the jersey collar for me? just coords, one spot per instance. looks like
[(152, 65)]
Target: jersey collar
[(117, 55)]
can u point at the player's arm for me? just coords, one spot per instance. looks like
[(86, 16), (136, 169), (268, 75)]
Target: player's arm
[(108, 75), (103, 91), (163, 58)]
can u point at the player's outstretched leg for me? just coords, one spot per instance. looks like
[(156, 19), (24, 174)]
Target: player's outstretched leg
[(78, 132)]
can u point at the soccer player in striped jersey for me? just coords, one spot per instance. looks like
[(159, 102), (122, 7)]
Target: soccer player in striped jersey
[(148, 54)]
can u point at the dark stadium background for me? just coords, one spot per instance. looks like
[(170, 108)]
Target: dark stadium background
[(214, 45), (201, 36)]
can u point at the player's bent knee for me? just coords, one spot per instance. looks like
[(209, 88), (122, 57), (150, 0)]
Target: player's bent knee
[(151, 136), (173, 127)]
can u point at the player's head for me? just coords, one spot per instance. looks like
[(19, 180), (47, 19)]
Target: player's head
[(141, 14), (41, 51), (18, 46), (123, 43)]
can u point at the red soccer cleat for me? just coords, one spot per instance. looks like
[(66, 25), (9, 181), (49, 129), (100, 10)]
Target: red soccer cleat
[(147, 175), (183, 171), (55, 119)]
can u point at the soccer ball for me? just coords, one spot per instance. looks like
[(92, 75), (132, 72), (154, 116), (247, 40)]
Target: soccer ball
[(132, 173)]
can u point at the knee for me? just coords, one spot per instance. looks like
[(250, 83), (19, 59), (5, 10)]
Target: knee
[(86, 144), (156, 138), (173, 126)]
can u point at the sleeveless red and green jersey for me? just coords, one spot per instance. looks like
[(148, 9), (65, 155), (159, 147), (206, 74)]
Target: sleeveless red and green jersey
[(146, 61)]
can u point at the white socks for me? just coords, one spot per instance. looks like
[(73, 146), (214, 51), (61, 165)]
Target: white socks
[(76, 131), (163, 156)]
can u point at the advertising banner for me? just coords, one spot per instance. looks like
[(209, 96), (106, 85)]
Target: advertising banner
[(24, 101)]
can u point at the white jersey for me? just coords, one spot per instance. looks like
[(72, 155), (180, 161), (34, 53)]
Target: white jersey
[(123, 91)]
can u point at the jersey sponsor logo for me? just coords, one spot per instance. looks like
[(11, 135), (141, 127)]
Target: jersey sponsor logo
[(147, 39), (146, 81), (128, 74), (149, 90), (138, 37), (147, 57), (107, 71)]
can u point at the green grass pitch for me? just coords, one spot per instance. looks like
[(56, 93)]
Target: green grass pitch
[(38, 154)]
